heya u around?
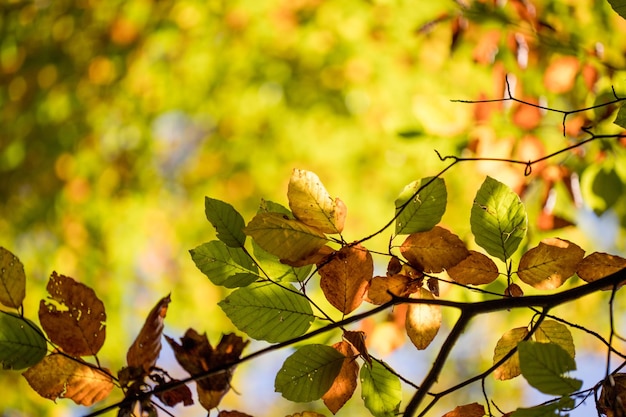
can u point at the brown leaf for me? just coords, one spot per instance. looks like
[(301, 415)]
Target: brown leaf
[(172, 397), (394, 266), (434, 250), (345, 383), (476, 269), (551, 263), (306, 414), (422, 320), (73, 316), (399, 285), (513, 290), (599, 265), (468, 410), (58, 376), (346, 277), (357, 339), (233, 414), (145, 350), (12, 279), (613, 396), (509, 340)]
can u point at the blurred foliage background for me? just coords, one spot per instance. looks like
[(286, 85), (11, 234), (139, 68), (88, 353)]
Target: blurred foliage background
[(118, 117)]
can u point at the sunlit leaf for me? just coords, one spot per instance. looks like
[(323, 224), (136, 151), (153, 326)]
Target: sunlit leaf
[(509, 340), (434, 250), (620, 119), (346, 381), (268, 312), (476, 269), (548, 265), (468, 410), (22, 344), (422, 320), (551, 331), (398, 285), (227, 222), (277, 270), (311, 204), (12, 279), (223, 265), (73, 316), (309, 373), (424, 210), (498, 219), (346, 276), (145, 350), (543, 366), (380, 389), (620, 7), (58, 376), (599, 265)]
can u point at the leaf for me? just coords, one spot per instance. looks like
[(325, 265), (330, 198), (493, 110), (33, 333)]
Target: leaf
[(22, 344), (551, 331), (599, 265), (613, 395), (175, 396), (73, 317), (224, 413), (546, 410), (306, 414), (543, 364), (346, 277), (357, 339), (467, 410), (225, 266), (498, 219), (308, 373), (12, 279), (311, 204), (286, 238), (548, 265), (345, 383), (422, 320), (227, 222), (434, 250), (58, 376), (399, 285), (380, 389), (268, 312), (476, 269), (423, 211), (276, 270), (620, 8), (601, 187), (509, 340), (145, 350)]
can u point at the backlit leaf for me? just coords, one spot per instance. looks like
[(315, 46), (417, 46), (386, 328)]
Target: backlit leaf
[(425, 209), (268, 312), (357, 339), (398, 285), (345, 278), (311, 204), (227, 222), (422, 320), (551, 331), (277, 270), (620, 7), (58, 376), (380, 389), (620, 119), (73, 316), (145, 350), (599, 265), (223, 265), (22, 344), (543, 366), (467, 410), (548, 265), (434, 250), (509, 340), (284, 237), (309, 373), (498, 219), (12, 279), (345, 383), (476, 269)]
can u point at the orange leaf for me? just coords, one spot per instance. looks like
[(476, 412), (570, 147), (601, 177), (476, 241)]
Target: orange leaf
[(145, 351), (73, 316), (58, 376), (345, 383), (548, 265), (422, 320), (599, 265), (435, 250), (346, 277), (468, 410), (357, 339), (476, 269), (399, 285)]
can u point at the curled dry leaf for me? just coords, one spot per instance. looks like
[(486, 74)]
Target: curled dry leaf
[(435, 250), (172, 397), (548, 265), (145, 350), (476, 269), (422, 320), (345, 383), (357, 339), (613, 396)]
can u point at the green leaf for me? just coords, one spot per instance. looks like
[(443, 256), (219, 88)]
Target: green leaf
[(22, 343), (425, 209), (380, 389), (620, 7), (551, 331), (268, 206), (266, 311), (308, 373), (498, 219), (277, 270), (601, 187), (546, 410), (12, 279), (223, 265), (227, 222), (543, 364)]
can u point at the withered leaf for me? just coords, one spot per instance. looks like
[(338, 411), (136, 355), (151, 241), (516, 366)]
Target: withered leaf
[(548, 265), (398, 285), (467, 410), (476, 269), (172, 397), (145, 350), (224, 413), (422, 320), (613, 396), (345, 383), (357, 339), (434, 250), (73, 316), (346, 277), (599, 265), (58, 376)]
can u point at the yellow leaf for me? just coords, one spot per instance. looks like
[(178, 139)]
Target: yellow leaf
[(548, 265), (551, 331), (58, 376), (509, 340), (311, 204), (422, 320), (12, 279), (145, 350), (345, 383), (434, 251), (476, 269), (599, 265)]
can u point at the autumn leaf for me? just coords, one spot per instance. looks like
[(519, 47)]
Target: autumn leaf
[(434, 250), (345, 383), (357, 340), (509, 340), (346, 277), (599, 265), (58, 376), (476, 269), (73, 316), (467, 410), (306, 414), (398, 285), (613, 395), (172, 397), (551, 263), (422, 320), (12, 279), (551, 331), (145, 350), (224, 413)]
